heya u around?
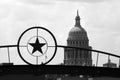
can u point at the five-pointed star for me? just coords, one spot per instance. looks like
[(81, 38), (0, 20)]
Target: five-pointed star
[(37, 46)]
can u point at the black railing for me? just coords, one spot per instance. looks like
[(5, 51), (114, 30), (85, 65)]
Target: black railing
[(93, 71)]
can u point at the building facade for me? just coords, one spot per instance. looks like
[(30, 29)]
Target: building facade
[(77, 38), (110, 64)]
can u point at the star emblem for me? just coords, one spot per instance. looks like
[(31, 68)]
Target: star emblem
[(37, 46)]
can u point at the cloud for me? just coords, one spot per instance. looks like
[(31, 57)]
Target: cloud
[(88, 1), (37, 2), (47, 2)]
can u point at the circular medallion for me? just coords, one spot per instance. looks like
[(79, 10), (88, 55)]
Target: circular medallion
[(36, 46)]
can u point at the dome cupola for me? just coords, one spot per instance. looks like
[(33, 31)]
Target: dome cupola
[(77, 32), (77, 19)]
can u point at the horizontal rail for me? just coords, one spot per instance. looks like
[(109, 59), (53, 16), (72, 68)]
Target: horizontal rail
[(5, 46), (8, 46), (89, 50)]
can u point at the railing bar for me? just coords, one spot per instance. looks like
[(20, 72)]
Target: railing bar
[(51, 46), (89, 50), (8, 55), (8, 46), (119, 62), (37, 60), (97, 59), (108, 57), (69, 47), (23, 46), (37, 32)]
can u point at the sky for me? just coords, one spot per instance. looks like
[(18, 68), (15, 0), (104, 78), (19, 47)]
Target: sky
[(100, 18)]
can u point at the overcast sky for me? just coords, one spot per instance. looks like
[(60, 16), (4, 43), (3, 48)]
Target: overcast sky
[(100, 18)]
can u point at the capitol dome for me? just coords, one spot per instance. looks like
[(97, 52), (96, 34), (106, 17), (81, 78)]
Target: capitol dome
[(77, 32)]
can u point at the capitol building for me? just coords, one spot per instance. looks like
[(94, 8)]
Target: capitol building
[(78, 38)]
